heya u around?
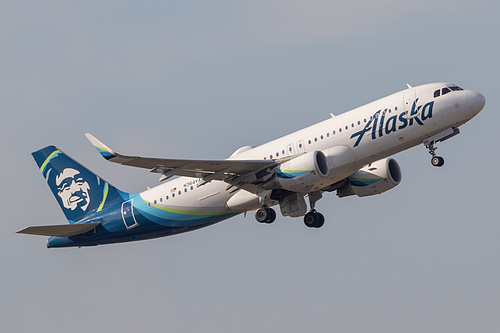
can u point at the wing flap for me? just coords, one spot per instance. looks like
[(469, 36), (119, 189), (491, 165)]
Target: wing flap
[(64, 230)]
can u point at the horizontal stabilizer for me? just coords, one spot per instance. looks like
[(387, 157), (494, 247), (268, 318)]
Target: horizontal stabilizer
[(65, 230)]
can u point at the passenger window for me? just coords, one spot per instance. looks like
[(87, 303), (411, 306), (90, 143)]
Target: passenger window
[(271, 157), (300, 145), (333, 132), (340, 130), (328, 134), (166, 197), (437, 93), (155, 202), (149, 204), (173, 195), (185, 190), (179, 192), (283, 151), (346, 127), (309, 141), (365, 120), (315, 139), (161, 199), (359, 123), (395, 108), (191, 188)]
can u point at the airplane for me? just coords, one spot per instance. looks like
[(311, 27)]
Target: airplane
[(348, 154)]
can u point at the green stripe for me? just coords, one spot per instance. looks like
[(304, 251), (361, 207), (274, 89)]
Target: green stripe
[(295, 171), (185, 212), (47, 160), (104, 196)]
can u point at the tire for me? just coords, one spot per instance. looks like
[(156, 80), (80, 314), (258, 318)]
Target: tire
[(311, 219), (271, 215), (261, 215), (437, 161), (321, 221)]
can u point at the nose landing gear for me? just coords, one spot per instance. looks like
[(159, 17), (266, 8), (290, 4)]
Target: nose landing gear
[(430, 142), (436, 161)]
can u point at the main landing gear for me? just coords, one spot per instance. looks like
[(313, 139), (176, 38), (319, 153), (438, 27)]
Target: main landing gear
[(265, 215), (313, 219), (436, 161)]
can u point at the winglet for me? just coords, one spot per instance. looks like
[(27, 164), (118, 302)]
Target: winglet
[(104, 150)]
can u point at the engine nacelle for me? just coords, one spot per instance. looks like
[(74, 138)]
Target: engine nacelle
[(300, 172), (375, 178)]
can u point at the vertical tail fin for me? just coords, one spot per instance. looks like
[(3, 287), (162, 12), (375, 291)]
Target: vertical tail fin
[(79, 192)]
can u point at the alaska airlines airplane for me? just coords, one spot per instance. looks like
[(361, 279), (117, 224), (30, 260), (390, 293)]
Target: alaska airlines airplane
[(348, 154)]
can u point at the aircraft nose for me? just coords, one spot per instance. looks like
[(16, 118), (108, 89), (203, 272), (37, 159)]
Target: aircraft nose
[(476, 101)]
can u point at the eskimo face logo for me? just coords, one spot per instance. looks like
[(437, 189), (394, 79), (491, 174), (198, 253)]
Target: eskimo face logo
[(73, 189)]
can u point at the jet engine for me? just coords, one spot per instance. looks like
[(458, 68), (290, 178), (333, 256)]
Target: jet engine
[(374, 178), (299, 173)]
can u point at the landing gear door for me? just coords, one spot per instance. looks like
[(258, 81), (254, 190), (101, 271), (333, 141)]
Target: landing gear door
[(128, 215)]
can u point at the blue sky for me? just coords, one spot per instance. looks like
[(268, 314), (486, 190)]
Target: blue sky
[(198, 80)]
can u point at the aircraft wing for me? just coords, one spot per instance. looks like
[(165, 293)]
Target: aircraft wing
[(235, 172), (64, 230)]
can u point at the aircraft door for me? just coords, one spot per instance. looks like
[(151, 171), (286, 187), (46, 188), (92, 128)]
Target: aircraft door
[(409, 98), (290, 150), (300, 146), (128, 215)]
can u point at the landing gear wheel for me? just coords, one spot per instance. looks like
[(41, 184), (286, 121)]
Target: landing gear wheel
[(265, 215), (321, 221), (314, 219), (310, 219), (272, 216), (437, 161)]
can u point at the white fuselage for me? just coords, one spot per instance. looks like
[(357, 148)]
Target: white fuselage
[(365, 134)]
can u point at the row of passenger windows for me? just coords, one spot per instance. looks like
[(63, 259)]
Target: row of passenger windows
[(321, 137), (172, 195)]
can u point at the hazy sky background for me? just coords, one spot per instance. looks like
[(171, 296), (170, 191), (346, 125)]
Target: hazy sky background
[(199, 79)]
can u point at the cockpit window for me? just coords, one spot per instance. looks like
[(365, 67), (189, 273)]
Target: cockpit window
[(446, 90)]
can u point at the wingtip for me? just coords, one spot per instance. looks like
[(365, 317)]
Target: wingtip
[(104, 150)]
